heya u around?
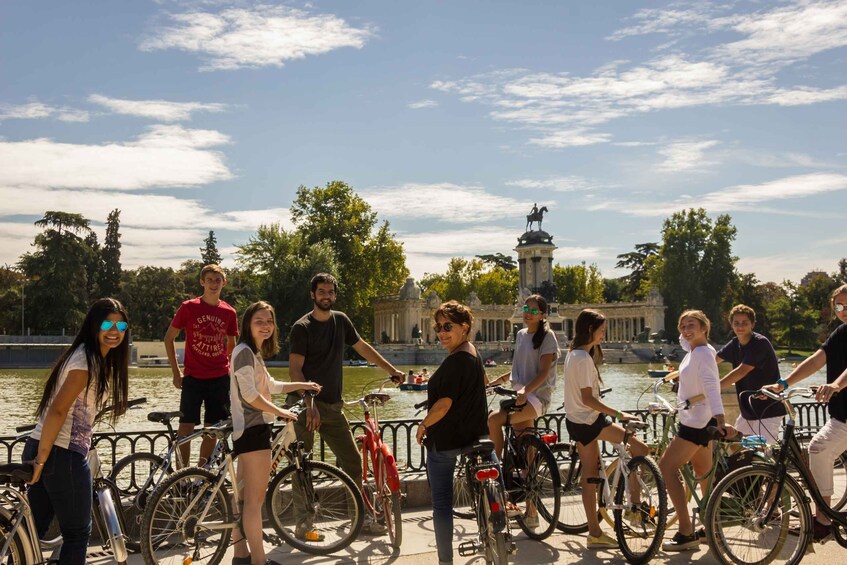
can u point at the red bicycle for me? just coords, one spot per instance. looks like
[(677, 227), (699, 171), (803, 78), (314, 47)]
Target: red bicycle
[(380, 479)]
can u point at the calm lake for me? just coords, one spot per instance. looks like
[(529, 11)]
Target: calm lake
[(21, 391)]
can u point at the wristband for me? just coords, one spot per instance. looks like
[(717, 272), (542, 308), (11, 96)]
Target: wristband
[(618, 415), (784, 383)]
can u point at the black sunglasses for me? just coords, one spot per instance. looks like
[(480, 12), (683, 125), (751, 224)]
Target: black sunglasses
[(447, 327)]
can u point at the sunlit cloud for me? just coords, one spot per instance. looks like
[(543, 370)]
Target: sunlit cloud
[(38, 110), (446, 202), (261, 36), (164, 156), (557, 184), (686, 156), (426, 103), (161, 110)]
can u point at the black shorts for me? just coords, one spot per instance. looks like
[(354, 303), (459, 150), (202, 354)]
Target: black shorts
[(214, 393), (697, 436), (254, 438), (586, 433)]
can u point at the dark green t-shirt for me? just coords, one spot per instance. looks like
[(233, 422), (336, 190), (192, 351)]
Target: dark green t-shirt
[(322, 345)]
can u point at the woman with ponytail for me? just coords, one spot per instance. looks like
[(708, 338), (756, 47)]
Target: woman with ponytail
[(533, 377), (91, 373), (588, 419)]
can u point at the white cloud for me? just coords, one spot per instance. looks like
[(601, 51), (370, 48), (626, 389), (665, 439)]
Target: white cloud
[(38, 110), (162, 110), (446, 202), (164, 156), (263, 36), (425, 103), (558, 184), (570, 138), (686, 156)]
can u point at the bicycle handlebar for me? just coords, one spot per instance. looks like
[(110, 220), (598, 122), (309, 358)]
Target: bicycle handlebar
[(421, 404)]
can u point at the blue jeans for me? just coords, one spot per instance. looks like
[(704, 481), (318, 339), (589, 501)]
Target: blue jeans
[(64, 490), (440, 468)]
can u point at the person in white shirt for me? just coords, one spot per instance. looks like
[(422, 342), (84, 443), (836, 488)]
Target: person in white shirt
[(250, 390), (588, 419), (698, 375)]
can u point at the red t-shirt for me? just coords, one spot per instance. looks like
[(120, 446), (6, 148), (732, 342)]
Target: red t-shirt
[(206, 330)]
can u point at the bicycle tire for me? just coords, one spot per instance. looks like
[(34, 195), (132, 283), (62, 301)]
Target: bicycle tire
[(495, 549), (839, 498), (132, 473), (168, 533), (572, 518), (20, 547), (640, 530), (390, 508), (464, 498), (541, 487), (333, 499), (736, 538)]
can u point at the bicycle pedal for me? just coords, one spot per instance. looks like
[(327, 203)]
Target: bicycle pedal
[(513, 548), (468, 548), (272, 539)]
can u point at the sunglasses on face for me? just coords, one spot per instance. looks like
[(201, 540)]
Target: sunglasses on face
[(107, 325), (446, 327), (840, 307), (533, 311)]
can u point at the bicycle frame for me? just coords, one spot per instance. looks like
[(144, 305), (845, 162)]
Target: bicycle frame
[(373, 446), (621, 472)]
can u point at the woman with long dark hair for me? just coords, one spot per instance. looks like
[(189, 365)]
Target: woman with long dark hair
[(456, 416), (588, 419), (91, 373)]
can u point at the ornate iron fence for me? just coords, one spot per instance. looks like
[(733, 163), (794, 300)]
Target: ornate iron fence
[(398, 434)]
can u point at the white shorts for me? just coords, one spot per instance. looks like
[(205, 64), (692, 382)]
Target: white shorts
[(768, 428)]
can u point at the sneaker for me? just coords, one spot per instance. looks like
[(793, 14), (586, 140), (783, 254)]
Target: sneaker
[(821, 533), (512, 510), (242, 560), (304, 532), (681, 542), (602, 541), (373, 528), (531, 522)]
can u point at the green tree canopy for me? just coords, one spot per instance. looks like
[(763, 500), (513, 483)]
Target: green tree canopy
[(505, 262), (636, 262), (578, 284), (110, 276), (209, 253), (151, 296)]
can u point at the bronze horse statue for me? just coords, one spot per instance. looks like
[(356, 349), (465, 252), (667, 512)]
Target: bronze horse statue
[(535, 216)]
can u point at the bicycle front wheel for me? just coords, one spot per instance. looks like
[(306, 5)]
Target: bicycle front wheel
[(390, 508), (541, 488), (464, 498), (171, 530), (572, 519), (734, 519), (641, 511), (317, 509)]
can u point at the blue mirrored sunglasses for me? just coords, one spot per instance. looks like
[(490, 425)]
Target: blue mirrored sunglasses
[(107, 325)]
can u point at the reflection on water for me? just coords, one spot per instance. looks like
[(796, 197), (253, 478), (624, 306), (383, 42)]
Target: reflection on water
[(22, 390)]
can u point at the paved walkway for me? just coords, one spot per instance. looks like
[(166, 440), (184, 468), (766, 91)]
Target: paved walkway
[(419, 548)]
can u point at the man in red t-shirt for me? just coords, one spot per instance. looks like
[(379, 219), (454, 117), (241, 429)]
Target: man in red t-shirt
[(211, 326)]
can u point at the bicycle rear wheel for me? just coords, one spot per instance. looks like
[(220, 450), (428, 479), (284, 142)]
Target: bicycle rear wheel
[(733, 519), (464, 497), (572, 519), (170, 527), (642, 509), (320, 500), (495, 548), (20, 548), (839, 497), (541, 488)]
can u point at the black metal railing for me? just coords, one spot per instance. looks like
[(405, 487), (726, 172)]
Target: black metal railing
[(398, 434)]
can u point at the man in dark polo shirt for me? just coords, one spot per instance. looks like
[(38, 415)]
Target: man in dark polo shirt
[(754, 365), (317, 354)]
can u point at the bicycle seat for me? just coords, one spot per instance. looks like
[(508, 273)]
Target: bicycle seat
[(163, 417), (378, 398), (16, 472), (482, 447)]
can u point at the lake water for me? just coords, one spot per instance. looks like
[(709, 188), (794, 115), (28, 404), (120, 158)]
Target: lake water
[(22, 388)]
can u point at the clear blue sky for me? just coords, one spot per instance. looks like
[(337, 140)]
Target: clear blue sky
[(450, 118)]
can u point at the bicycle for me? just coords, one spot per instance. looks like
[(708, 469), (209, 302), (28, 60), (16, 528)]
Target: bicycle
[(381, 481), (494, 539), (18, 524), (530, 474), (760, 513)]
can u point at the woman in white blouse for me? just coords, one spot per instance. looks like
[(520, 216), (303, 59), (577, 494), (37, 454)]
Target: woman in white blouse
[(253, 412), (698, 375)]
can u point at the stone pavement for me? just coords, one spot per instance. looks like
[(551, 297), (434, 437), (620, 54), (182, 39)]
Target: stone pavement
[(419, 548)]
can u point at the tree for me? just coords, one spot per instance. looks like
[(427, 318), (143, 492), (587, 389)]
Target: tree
[(10, 300), (336, 216), (151, 296), (815, 290), (458, 282), (93, 265), (505, 262), (636, 261), (717, 272), (498, 286), (58, 294), (613, 289), (841, 275), (110, 276), (578, 284), (793, 321), (209, 254)]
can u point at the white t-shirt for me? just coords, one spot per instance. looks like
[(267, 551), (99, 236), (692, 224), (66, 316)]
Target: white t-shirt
[(698, 374), (527, 360), (580, 373), (76, 432)]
